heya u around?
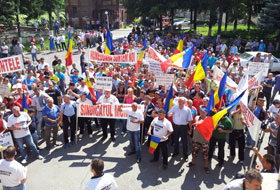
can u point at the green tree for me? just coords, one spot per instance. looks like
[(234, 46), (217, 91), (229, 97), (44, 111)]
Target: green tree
[(31, 8), (7, 12), (270, 16), (51, 6)]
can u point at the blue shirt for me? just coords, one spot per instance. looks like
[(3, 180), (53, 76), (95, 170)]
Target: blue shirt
[(257, 112), (212, 61), (261, 47), (28, 82), (266, 89), (75, 78), (69, 109), (277, 82), (50, 113), (61, 77)]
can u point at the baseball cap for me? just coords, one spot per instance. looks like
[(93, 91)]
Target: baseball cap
[(203, 109), (71, 84), (83, 93)]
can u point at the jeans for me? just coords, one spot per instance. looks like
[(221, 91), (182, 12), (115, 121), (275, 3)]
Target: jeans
[(221, 148), (34, 57), (19, 187), (69, 122), (35, 137), (123, 123), (249, 140), (237, 135), (135, 145), (63, 46), (29, 142), (39, 118)]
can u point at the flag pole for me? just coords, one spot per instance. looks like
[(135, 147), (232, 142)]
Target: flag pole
[(76, 136)]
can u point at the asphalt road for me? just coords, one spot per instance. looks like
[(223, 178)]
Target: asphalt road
[(68, 169)]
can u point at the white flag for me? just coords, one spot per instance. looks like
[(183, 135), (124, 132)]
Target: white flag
[(255, 82)]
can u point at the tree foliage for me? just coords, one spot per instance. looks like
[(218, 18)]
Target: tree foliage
[(7, 12), (270, 16)]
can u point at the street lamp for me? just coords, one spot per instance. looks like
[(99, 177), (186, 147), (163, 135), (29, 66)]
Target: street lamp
[(106, 13)]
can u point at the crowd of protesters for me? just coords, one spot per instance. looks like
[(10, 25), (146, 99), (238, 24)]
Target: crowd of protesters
[(52, 103)]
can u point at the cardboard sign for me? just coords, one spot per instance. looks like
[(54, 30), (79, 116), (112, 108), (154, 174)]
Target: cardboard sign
[(103, 83), (104, 111), (154, 67), (4, 89), (11, 64), (256, 67), (6, 140), (130, 57), (255, 81), (164, 79), (252, 122)]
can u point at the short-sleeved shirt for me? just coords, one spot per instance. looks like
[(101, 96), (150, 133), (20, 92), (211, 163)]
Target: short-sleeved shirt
[(61, 77), (62, 67), (69, 109), (103, 182), (75, 78), (11, 173), (272, 138), (21, 121), (225, 124), (55, 94), (52, 113), (267, 89), (237, 124), (237, 184), (131, 115), (181, 116), (161, 128), (273, 111)]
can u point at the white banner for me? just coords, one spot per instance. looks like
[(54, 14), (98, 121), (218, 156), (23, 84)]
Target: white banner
[(255, 82), (155, 56), (256, 67), (154, 67), (252, 122), (218, 75), (6, 140), (103, 83), (130, 57), (164, 79), (11, 64), (104, 110)]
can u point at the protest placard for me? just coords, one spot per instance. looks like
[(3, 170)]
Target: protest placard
[(6, 140), (11, 64), (103, 83), (154, 67), (256, 67), (155, 56), (130, 57), (4, 89), (164, 79), (218, 75), (104, 110)]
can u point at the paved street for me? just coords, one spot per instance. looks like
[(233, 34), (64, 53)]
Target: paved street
[(69, 168)]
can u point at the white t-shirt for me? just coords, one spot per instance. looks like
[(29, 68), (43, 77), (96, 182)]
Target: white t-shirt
[(105, 182), (62, 38), (57, 40), (273, 110), (5, 49), (223, 47), (11, 173), (41, 66), (22, 121), (111, 100), (89, 102), (235, 185), (33, 49), (181, 116), (131, 115), (161, 128)]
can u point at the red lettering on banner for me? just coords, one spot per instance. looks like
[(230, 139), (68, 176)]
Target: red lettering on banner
[(125, 58), (17, 63), (2, 67)]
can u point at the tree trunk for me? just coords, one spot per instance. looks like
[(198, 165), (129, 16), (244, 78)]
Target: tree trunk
[(210, 24), (226, 21), (50, 20), (220, 21), (249, 16), (17, 17), (235, 25), (191, 20), (172, 19), (194, 19), (160, 22)]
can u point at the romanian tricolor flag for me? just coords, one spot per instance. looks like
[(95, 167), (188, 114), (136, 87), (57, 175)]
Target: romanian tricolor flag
[(154, 143), (169, 100), (207, 126), (201, 69), (108, 43), (210, 104), (69, 55), (91, 91), (24, 103), (180, 60), (220, 90), (141, 55), (179, 48)]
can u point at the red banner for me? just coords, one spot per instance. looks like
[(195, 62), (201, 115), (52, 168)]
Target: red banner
[(11, 64), (130, 57)]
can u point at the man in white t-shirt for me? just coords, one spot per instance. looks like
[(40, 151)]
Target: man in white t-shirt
[(135, 117), (100, 181), (33, 50), (12, 174), (62, 40), (223, 47), (4, 50), (19, 123), (162, 128)]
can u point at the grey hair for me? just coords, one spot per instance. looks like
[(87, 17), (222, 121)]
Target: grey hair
[(253, 174), (16, 108)]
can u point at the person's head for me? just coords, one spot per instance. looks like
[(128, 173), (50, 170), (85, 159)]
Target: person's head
[(16, 111), (190, 103), (50, 102), (66, 99), (199, 95), (31, 112), (84, 96), (260, 102), (97, 167), (58, 70), (36, 91), (253, 180), (76, 72), (107, 93), (181, 102), (277, 118), (270, 75), (268, 162), (203, 112), (10, 152), (134, 106), (147, 99), (50, 85), (130, 92), (72, 85), (205, 101), (142, 94), (161, 114)]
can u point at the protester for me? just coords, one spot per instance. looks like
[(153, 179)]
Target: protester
[(100, 180), (13, 175)]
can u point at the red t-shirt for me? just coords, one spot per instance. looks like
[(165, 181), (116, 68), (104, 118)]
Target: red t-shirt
[(197, 104)]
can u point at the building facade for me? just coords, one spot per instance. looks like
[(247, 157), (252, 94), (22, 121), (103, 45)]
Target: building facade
[(85, 13)]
